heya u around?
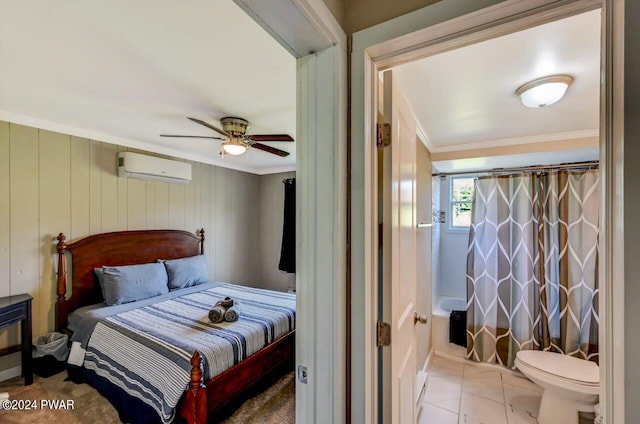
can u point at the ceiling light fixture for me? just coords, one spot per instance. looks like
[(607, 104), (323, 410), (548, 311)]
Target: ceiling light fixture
[(234, 147), (544, 91)]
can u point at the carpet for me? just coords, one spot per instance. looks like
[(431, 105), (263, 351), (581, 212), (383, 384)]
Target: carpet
[(88, 405), (275, 405), (270, 404)]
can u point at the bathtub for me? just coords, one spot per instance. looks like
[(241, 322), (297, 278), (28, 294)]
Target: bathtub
[(440, 326)]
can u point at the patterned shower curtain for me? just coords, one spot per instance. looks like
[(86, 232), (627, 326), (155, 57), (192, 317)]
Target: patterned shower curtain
[(532, 266)]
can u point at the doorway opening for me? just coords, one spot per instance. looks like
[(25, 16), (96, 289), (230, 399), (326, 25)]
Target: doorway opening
[(478, 152)]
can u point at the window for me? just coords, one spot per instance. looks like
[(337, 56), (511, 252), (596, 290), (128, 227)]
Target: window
[(461, 196)]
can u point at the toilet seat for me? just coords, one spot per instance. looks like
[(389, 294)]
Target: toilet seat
[(571, 385), (563, 367)]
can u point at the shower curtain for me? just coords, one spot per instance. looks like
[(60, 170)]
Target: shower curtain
[(532, 266)]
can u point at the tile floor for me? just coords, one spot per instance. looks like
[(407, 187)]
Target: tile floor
[(464, 393)]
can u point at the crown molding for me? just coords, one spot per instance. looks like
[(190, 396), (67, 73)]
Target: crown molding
[(570, 135)]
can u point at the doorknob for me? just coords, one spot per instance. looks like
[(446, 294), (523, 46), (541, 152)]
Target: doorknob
[(419, 318)]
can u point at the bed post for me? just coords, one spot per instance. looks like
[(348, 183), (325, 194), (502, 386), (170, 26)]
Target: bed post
[(194, 407), (61, 304), (200, 234)]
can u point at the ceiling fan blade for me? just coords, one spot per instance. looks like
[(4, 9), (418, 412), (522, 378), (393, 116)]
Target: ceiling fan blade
[(198, 121), (270, 137), (191, 136), (270, 149)]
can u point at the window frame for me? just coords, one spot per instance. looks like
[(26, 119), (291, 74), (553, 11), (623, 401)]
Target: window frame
[(452, 203)]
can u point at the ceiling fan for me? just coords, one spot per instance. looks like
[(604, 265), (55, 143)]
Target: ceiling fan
[(237, 141)]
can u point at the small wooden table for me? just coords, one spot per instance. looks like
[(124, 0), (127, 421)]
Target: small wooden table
[(14, 309)]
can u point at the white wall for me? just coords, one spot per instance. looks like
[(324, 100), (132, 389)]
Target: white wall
[(52, 182), (424, 288), (453, 252), (321, 237), (436, 232), (271, 210)]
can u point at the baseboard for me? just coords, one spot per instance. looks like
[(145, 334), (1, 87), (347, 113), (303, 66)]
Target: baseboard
[(11, 373), (445, 355), (421, 378), (485, 365), (425, 367), (421, 382)]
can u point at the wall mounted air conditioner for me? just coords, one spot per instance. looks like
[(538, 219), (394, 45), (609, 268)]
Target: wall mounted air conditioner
[(135, 165)]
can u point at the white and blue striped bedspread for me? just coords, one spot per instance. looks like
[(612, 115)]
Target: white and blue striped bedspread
[(146, 351)]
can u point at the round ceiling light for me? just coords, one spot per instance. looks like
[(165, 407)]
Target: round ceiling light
[(544, 91), (234, 148)]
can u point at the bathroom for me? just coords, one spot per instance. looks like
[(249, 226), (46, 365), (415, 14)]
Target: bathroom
[(490, 138), (452, 384)]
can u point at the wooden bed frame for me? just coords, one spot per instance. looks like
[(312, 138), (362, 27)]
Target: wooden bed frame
[(136, 247)]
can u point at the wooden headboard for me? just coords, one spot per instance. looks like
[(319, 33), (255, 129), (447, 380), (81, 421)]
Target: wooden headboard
[(113, 249)]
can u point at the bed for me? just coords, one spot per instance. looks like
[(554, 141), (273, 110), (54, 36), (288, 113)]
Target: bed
[(203, 396)]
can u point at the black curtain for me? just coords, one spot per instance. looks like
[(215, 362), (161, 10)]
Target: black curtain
[(288, 251)]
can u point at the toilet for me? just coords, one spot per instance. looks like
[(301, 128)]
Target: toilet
[(571, 385)]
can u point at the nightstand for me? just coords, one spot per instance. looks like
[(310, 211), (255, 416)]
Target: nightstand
[(18, 309)]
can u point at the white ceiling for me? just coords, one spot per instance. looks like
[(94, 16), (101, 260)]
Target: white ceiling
[(125, 71), (465, 98)]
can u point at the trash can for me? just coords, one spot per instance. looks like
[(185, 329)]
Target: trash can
[(50, 353)]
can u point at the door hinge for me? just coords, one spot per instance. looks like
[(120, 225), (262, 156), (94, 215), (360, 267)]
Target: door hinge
[(384, 334), (383, 135)]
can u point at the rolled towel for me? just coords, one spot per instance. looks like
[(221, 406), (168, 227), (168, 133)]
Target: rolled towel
[(216, 315), (233, 313), (227, 302)]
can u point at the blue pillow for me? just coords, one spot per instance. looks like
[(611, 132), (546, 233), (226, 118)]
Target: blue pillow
[(99, 273), (123, 284), (186, 272)]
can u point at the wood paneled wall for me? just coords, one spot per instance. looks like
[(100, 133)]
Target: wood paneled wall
[(271, 220), (52, 183)]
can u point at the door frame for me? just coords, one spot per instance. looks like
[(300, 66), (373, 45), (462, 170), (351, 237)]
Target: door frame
[(438, 28)]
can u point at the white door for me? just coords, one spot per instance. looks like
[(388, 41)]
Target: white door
[(399, 247)]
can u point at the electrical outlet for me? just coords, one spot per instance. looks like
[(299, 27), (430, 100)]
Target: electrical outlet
[(302, 374)]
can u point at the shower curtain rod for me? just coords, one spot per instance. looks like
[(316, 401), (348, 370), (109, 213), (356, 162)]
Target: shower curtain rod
[(589, 164)]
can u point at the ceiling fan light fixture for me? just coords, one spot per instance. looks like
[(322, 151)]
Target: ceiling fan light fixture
[(544, 91), (235, 139), (234, 147), (234, 125)]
